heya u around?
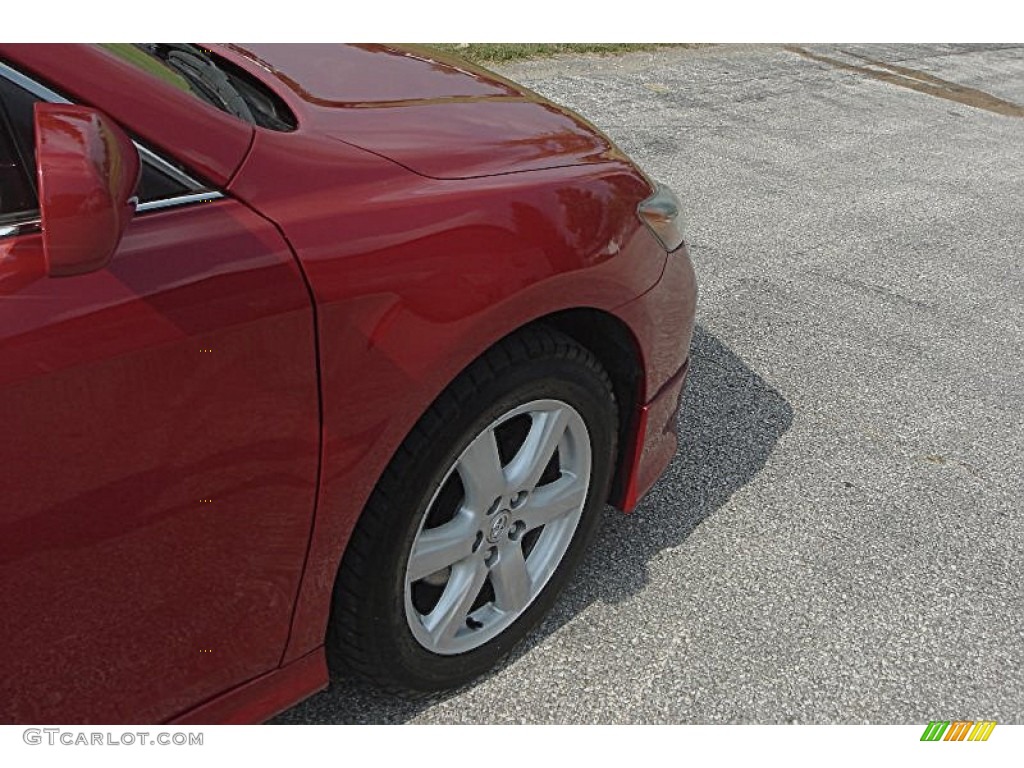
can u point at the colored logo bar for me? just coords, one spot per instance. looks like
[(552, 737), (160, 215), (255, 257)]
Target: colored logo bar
[(958, 730)]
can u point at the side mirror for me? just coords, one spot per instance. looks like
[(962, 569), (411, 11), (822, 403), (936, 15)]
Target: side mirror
[(88, 170)]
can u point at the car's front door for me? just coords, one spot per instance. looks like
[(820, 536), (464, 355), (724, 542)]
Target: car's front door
[(158, 452)]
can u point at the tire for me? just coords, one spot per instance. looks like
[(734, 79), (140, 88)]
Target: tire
[(470, 534)]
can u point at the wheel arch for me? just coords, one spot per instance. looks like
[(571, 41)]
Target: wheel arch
[(609, 338), (612, 342), (571, 334)]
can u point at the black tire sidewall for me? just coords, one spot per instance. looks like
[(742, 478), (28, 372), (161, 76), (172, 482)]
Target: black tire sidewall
[(555, 378)]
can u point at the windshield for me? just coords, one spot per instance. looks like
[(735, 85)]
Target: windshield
[(209, 77)]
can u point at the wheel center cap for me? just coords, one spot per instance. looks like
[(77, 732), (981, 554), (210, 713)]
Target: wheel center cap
[(498, 526)]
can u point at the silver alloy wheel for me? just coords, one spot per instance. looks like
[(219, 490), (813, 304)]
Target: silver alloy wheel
[(511, 527)]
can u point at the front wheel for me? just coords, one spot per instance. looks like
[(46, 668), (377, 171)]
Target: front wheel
[(479, 519)]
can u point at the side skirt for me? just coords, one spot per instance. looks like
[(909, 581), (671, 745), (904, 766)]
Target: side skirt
[(263, 697)]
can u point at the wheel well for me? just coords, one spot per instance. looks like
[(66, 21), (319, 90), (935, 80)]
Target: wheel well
[(615, 347)]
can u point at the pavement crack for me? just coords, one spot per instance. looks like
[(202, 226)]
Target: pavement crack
[(916, 80)]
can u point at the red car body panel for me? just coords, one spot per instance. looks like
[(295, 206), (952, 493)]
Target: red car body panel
[(440, 118), (340, 75), (161, 439), (663, 319), (263, 697), (403, 270)]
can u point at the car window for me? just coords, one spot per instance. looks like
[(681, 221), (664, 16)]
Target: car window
[(159, 180), (17, 197), (17, 171)]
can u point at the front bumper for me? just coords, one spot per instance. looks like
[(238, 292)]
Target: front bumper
[(656, 440), (662, 320)]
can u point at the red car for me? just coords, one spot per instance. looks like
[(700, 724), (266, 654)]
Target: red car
[(308, 354)]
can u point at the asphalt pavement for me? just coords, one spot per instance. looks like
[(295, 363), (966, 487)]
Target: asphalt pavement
[(840, 538)]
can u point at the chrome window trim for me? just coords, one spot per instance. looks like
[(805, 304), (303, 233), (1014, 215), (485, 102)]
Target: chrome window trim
[(198, 192), (33, 225), (172, 202), (31, 85), (27, 227)]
